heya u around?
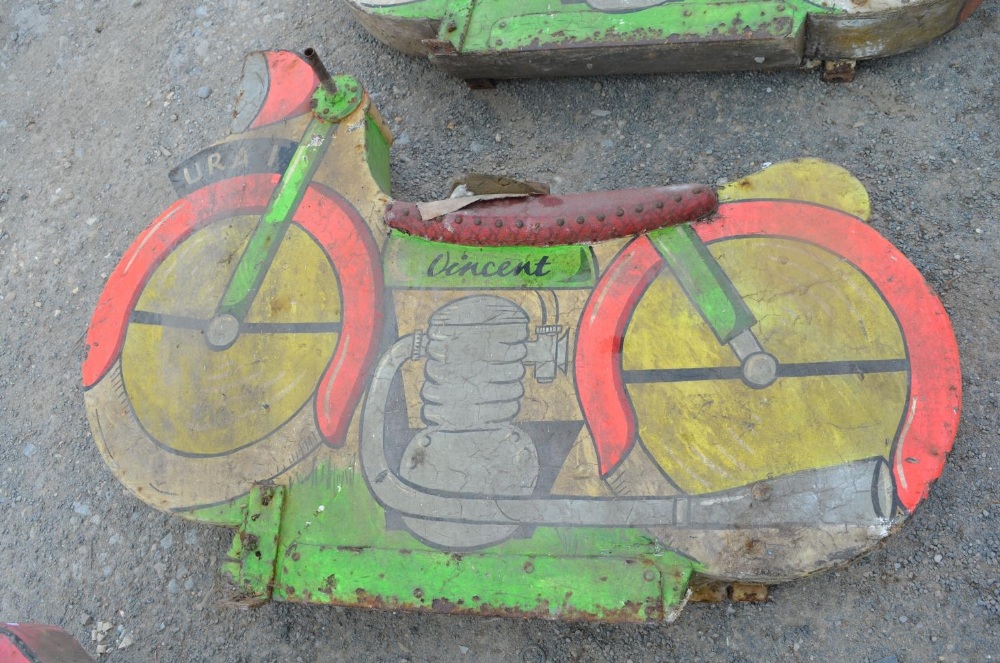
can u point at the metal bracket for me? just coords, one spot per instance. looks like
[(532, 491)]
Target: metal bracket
[(254, 550)]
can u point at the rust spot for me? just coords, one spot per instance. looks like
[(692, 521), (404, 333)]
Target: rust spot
[(279, 305), (249, 541), (296, 556), (418, 593), (709, 592), (747, 593)]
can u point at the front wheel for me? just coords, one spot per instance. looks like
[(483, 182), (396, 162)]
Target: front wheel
[(186, 423)]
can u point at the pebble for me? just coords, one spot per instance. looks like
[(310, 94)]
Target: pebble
[(204, 92), (81, 508), (601, 113), (172, 587), (29, 450), (167, 541)]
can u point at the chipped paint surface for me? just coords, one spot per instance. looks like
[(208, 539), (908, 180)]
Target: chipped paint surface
[(505, 39)]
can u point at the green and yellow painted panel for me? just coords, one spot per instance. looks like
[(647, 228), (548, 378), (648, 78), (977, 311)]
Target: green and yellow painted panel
[(513, 38)]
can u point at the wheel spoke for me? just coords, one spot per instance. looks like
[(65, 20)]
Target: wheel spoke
[(184, 322), (807, 369)]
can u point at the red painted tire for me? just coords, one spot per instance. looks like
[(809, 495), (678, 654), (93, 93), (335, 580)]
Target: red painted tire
[(174, 475)]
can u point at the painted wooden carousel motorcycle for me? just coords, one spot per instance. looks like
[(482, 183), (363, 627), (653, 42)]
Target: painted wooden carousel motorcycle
[(516, 402)]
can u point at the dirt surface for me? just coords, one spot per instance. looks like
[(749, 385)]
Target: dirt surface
[(98, 99)]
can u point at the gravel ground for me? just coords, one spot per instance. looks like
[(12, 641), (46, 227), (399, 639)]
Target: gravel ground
[(99, 98)]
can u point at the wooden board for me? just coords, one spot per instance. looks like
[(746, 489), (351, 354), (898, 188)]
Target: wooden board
[(529, 423), (511, 39)]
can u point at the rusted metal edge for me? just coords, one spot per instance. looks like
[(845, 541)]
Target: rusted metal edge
[(878, 34), (607, 589), (258, 544), (406, 35), (778, 52)]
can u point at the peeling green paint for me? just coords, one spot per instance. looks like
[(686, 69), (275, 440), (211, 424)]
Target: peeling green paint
[(334, 547)]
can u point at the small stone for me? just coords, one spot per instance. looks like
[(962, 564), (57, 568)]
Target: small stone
[(165, 152), (600, 113), (463, 649), (401, 139), (160, 568), (136, 3), (167, 541), (498, 138), (476, 148), (29, 450), (938, 558), (189, 584), (172, 587), (125, 642), (204, 92), (91, 220), (85, 619), (903, 619)]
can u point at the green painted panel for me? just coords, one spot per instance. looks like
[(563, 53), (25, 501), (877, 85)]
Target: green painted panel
[(335, 548), (377, 155), (493, 28), (413, 262)]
